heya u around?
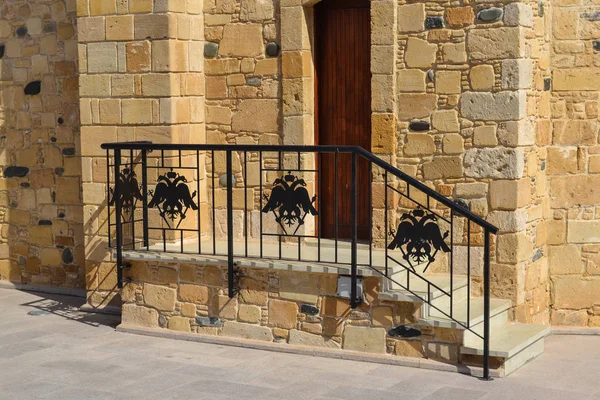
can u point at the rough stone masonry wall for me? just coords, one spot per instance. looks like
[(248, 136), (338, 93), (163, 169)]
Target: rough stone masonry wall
[(474, 73), (40, 188), (574, 164), (243, 96), (141, 78), (277, 306), (481, 148)]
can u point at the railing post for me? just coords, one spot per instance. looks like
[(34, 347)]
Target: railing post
[(353, 289), (229, 225), (118, 211), (486, 305), (145, 195)]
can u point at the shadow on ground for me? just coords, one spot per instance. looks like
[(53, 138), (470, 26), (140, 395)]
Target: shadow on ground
[(68, 307)]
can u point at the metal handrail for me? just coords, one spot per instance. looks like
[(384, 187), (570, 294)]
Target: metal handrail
[(147, 145), (455, 209)]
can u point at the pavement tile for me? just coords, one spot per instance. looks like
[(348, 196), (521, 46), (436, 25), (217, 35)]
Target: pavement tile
[(354, 393), (67, 354), (452, 393)]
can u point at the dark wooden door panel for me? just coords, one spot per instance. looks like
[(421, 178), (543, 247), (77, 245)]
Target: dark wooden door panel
[(343, 99)]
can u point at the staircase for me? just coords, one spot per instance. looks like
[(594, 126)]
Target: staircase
[(512, 344), (262, 205)]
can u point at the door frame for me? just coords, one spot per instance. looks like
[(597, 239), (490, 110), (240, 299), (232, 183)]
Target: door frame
[(297, 77), (297, 34)]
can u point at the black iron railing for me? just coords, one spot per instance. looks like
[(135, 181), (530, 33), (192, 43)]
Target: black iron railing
[(333, 205)]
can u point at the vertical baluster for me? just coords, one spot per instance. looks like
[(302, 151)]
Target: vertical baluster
[(199, 216), (452, 264), (468, 273), (281, 172), (486, 305), (118, 211), (109, 197), (385, 220), (319, 195), (353, 289), (370, 214), (299, 238), (260, 187), (229, 224), (245, 204), (131, 171), (335, 202), (145, 197), (214, 221)]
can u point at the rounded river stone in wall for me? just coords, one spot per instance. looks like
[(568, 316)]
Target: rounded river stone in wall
[(16, 172), (22, 31), (418, 126), (211, 49), (254, 81), (404, 331), (67, 256), (309, 309), (223, 180), (272, 49), (434, 22), (33, 88), (2, 49), (490, 14)]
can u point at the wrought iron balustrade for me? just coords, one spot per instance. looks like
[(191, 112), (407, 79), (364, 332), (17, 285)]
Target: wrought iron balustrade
[(337, 206)]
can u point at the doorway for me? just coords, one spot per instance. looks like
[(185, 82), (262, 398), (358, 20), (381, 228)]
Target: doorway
[(343, 111)]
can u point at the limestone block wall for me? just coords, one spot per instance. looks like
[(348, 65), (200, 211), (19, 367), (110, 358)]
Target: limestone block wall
[(141, 78), (41, 209), (298, 308), (474, 73), (574, 164)]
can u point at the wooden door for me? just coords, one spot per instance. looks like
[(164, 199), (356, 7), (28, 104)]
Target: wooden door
[(343, 110)]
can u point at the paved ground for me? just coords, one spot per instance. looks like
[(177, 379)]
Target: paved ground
[(65, 354)]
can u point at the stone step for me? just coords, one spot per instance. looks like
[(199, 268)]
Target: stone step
[(516, 343), (498, 315), (419, 288)]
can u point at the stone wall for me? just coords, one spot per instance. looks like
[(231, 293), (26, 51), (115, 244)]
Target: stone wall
[(298, 308), (508, 91), (141, 78), (474, 74), (574, 164), (40, 188)]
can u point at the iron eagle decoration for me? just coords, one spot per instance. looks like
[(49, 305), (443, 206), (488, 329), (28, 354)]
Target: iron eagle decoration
[(172, 198), (290, 202), (417, 236), (130, 192)]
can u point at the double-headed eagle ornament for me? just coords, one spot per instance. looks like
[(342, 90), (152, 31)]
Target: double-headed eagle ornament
[(172, 197), (417, 236), (290, 202)]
